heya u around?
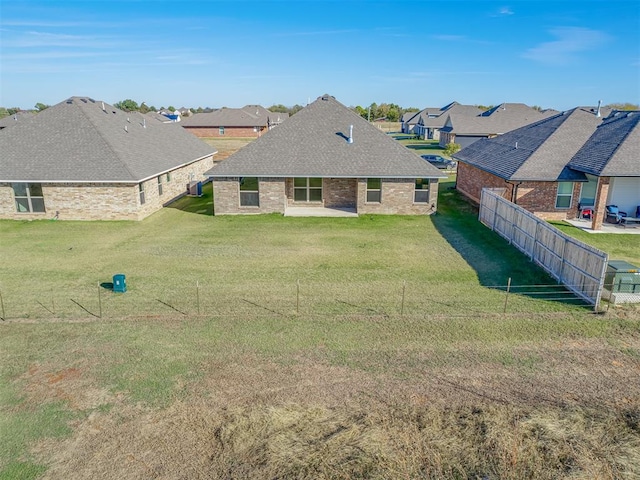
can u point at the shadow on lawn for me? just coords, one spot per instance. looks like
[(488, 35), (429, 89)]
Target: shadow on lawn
[(200, 205), (493, 259)]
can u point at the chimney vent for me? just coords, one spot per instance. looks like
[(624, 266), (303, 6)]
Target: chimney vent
[(598, 114)]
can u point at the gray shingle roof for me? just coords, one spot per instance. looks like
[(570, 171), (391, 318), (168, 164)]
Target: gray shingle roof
[(247, 116), (16, 118), (313, 143), (77, 141), (614, 148), (501, 119), (539, 151)]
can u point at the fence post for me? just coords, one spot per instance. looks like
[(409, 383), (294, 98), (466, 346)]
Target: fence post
[(506, 298), (404, 288), (99, 301), (297, 296), (2, 305), (198, 296)]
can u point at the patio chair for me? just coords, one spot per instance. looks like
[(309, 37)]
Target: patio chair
[(614, 215)]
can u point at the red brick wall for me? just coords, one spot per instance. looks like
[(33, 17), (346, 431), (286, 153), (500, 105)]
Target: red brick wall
[(537, 197), (203, 132)]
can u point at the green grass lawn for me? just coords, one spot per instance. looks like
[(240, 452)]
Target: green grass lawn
[(336, 378)]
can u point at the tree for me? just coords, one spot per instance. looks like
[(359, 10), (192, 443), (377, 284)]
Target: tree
[(41, 106), (127, 105), (144, 108), (171, 108), (623, 106), (13, 110), (451, 149)]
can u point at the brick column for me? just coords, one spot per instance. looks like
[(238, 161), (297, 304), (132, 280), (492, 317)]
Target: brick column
[(599, 214)]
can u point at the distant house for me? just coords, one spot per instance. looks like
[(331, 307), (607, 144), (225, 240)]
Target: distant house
[(248, 121), (16, 118), (83, 159), (466, 129), (427, 123), (325, 156), (557, 165)]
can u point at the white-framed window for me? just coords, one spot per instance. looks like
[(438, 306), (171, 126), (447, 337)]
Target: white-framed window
[(374, 190), (307, 189), (220, 130), (564, 195), (421, 193), (160, 185), (141, 193), (28, 197), (249, 192)]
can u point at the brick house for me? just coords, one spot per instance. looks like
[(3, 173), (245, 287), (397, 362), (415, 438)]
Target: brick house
[(325, 156), (557, 165), (464, 129), (86, 160), (248, 121)]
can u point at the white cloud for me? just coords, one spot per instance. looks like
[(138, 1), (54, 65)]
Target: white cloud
[(570, 41), (505, 11)]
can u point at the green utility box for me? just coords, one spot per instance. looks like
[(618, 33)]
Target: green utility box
[(119, 283), (622, 277)]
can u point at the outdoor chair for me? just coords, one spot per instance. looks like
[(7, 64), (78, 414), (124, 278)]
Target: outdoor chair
[(614, 215)]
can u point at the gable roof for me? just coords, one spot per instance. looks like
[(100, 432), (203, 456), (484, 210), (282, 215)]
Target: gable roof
[(536, 152), (247, 116), (314, 143), (83, 140), (451, 109), (613, 150), (498, 120)]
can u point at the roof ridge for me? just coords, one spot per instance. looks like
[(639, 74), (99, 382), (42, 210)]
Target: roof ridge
[(106, 140)]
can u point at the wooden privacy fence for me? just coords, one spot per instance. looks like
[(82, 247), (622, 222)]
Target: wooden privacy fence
[(578, 266)]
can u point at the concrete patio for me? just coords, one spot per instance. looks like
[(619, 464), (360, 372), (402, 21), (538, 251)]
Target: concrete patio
[(585, 224)]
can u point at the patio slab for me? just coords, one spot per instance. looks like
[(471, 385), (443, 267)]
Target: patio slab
[(585, 225)]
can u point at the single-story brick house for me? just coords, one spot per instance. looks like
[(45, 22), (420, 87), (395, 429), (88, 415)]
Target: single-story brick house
[(248, 121), (465, 129), (83, 159), (325, 156), (559, 164)]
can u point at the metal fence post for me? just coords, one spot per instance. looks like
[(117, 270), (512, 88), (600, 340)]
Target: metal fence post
[(506, 298)]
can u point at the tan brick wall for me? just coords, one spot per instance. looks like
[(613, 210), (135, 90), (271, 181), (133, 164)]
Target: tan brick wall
[(204, 132), (397, 197), (537, 197), (101, 201), (340, 192), (226, 193)]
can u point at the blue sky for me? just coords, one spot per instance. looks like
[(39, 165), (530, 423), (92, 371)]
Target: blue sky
[(555, 54)]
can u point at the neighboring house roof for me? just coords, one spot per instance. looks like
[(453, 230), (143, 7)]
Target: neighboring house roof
[(83, 140), (451, 109), (613, 150), (156, 116), (536, 152), (16, 118), (247, 116), (498, 120), (314, 143)]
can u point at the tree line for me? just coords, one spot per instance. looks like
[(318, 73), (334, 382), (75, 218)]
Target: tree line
[(389, 112)]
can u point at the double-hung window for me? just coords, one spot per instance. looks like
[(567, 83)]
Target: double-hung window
[(160, 185), (565, 192), (220, 130), (28, 197), (249, 192), (141, 193), (374, 190), (421, 194)]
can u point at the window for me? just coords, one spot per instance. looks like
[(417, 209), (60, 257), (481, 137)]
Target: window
[(220, 130), (588, 191), (28, 197), (421, 191), (255, 129), (374, 187), (141, 193), (565, 191), (307, 189), (249, 193), (159, 185), (168, 177)]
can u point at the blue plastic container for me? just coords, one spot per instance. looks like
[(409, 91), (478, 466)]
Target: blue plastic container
[(119, 283)]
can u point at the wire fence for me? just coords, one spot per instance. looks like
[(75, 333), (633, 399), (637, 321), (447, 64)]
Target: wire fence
[(374, 298)]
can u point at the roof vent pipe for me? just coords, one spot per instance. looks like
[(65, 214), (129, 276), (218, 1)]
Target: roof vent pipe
[(598, 114), (350, 140), (103, 109)]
